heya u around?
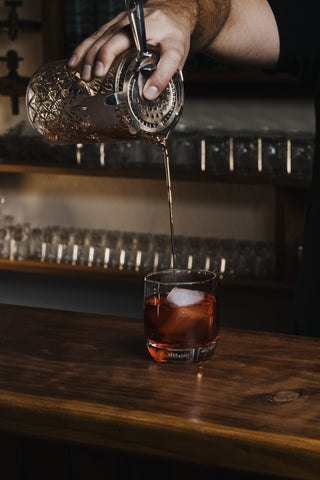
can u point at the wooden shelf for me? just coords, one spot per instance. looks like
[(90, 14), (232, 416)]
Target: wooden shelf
[(287, 189), (46, 268), (191, 175), (37, 267), (72, 380)]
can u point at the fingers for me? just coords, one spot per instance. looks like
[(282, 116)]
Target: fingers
[(174, 41), (80, 51), (97, 52), (101, 55), (170, 60)]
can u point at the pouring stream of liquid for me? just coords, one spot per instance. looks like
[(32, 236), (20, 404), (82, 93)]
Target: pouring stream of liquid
[(164, 146)]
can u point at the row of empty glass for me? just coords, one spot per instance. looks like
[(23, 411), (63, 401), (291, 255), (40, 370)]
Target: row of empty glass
[(218, 154), (135, 251), (213, 152)]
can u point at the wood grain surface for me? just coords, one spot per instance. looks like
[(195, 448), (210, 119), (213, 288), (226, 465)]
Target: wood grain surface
[(87, 378)]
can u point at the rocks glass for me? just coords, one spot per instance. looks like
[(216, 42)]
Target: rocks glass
[(180, 315)]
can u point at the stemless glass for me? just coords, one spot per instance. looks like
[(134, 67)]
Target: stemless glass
[(274, 155), (217, 154), (185, 147), (180, 315), (245, 152), (302, 151)]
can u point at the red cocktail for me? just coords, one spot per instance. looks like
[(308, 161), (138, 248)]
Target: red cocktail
[(180, 315)]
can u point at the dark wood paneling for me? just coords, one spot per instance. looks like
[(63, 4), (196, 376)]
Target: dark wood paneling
[(291, 207), (87, 379), (53, 30)]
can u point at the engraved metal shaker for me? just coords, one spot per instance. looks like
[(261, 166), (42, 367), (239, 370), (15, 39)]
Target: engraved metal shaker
[(63, 108)]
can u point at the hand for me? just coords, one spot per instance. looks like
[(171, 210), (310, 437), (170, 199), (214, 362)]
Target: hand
[(169, 28)]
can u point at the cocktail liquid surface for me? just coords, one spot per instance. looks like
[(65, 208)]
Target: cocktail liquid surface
[(181, 334)]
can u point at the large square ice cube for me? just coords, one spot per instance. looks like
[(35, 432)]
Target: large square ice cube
[(183, 297)]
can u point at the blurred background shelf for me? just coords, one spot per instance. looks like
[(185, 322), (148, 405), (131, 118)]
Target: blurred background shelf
[(287, 181), (36, 267), (44, 184)]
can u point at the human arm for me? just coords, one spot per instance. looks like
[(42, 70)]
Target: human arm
[(249, 36), (171, 25), (238, 31)]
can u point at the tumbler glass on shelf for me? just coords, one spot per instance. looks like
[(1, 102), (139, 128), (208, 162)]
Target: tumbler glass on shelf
[(135, 155), (180, 315), (145, 242), (162, 259), (144, 252), (185, 148), (186, 249), (217, 154), (302, 149), (146, 262), (96, 246), (50, 241), (162, 252), (65, 245), (11, 241), (246, 252), (4, 243), (36, 243), (215, 254), (80, 249), (195, 247), (2, 202), (245, 155), (113, 249), (228, 259), (117, 154), (265, 259), (88, 156), (19, 248), (130, 259), (114, 258), (8, 221), (153, 156), (274, 155), (181, 251)]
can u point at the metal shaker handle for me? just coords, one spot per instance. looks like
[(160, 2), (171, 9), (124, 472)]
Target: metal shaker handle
[(134, 9)]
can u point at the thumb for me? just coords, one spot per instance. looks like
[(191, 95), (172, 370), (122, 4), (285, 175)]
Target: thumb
[(166, 68), (150, 91)]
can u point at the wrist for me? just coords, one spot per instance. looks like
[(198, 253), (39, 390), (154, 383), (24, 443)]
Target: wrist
[(211, 17), (185, 13)]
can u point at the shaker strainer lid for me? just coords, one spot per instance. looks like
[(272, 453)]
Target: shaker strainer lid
[(153, 116), (159, 115)]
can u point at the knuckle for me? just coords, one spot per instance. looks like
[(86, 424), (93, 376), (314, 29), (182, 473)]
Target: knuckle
[(105, 55), (114, 30), (96, 35), (78, 50), (89, 57), (159, 17), (174, 55)]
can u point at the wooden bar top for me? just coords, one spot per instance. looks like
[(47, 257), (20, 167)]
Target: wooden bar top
[(87, 378)]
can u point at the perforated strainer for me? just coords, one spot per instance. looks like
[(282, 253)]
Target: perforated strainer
[(156, 117)]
